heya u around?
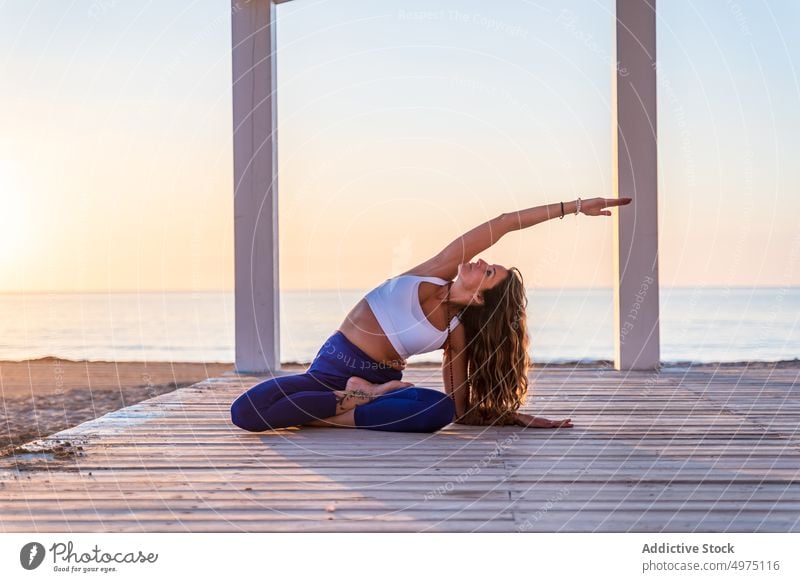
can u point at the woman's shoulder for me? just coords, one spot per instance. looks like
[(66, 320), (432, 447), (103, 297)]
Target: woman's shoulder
[(406, 281), (421, 277), (441, 267)]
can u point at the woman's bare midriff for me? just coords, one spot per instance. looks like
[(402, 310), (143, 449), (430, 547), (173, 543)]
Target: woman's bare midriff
[(363, 330)]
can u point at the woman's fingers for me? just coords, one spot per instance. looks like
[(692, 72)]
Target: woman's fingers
[(609, 202), (398, 384), (541, 422), (618, 201)]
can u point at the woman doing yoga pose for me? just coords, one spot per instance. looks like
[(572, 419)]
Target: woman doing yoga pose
[(474, 311)]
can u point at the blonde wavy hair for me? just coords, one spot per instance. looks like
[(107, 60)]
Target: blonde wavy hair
[(497, 352)]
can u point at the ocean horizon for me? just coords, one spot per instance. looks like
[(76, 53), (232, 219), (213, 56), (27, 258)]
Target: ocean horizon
[(698, 325)]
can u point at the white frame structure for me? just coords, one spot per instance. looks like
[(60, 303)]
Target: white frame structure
[(634, 157), (634, 170), (255, 171)]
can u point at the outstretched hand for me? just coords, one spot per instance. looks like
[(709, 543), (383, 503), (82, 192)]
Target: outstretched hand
[(596, 206), (529, 421)]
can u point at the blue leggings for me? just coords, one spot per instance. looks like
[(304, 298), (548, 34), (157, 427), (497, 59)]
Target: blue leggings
[(298, 399)]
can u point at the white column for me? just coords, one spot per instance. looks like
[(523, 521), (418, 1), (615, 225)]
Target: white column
[(255, 172), (634, 171)]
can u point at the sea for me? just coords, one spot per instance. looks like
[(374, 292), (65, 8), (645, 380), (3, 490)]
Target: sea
[(698, 324)]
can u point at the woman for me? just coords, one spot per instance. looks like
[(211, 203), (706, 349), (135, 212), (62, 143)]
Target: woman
[(475, 312)]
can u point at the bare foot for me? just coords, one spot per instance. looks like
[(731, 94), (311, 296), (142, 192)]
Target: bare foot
[(355, 383), (360, 391)]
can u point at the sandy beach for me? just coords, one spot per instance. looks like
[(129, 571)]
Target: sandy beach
[(46, 395)]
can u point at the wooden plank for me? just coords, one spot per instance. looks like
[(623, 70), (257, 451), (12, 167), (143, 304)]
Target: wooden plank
[(664, 457), (233, 507), (219, 524)]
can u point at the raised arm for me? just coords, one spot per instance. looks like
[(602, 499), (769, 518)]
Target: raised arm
[(465, 247), (590, 207)]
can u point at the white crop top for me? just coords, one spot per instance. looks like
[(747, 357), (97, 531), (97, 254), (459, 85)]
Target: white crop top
[(395, 304)]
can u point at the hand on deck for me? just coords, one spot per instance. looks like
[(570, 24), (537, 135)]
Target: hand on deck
[(596, 206), (529, 421)]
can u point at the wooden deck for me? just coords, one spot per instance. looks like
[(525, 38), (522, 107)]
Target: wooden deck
[(679, 451)]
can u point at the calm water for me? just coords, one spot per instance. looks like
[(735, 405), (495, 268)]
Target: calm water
[(700, 324)]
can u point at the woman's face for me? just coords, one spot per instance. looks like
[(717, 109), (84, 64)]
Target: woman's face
[(480, 275)]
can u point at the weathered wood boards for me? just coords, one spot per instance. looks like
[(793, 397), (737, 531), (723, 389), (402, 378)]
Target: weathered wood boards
[(679, 450)]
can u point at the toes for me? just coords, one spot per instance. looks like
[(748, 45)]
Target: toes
[(356, 382)]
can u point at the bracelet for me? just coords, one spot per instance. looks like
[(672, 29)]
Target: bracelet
[(578, 207), (562, 211)]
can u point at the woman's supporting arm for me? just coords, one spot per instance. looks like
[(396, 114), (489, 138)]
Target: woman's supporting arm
[(530, 421), (455, 359), (455, 356), (515, 418), (508, 419)]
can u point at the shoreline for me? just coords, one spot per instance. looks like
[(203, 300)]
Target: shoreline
[(793, 363), (759, 364)]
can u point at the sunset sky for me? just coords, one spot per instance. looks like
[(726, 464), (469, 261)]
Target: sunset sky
[(401, 125)]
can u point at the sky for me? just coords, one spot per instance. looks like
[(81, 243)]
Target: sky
[(401, 125)]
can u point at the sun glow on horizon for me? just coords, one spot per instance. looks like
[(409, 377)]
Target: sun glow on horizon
[(397, 132)]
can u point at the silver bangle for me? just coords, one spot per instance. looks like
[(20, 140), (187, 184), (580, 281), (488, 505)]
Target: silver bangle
[(578, 207)]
